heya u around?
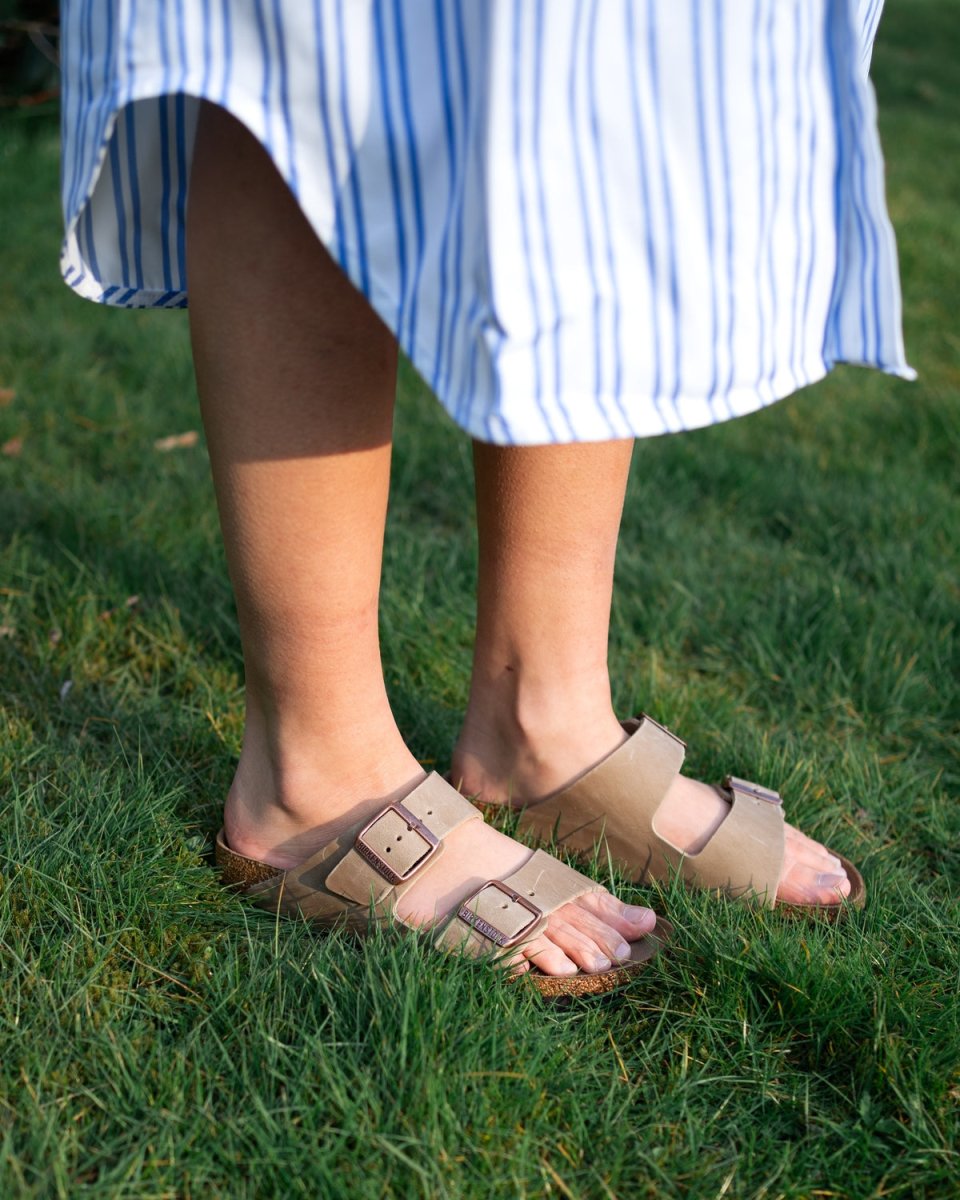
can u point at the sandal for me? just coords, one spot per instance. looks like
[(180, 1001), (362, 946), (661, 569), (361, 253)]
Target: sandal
[(615, 804), (357, 879)]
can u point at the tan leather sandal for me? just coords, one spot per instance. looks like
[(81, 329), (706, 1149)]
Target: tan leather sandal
[(615, 804), (358, 878)]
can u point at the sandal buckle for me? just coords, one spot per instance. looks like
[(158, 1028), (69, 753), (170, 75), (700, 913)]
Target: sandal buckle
[(489, 931), (752, 789), (414, 825)]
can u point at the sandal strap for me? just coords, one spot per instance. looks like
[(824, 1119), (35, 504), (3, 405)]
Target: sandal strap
[(342, 879), (505, 912), (631, 782), (745, 855), (616, 803), (399, 844)]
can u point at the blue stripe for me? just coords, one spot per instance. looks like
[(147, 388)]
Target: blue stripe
[(85, 39), (811, 215), (104, 109), (165, 179), (227, 52), (572, 97), (392, 164), (327, 133), (463, 144), (90, 252), (448, 216), (653, 265), (774, 185), (616, 324), (414, 166), (699, 74), (871, 20), (798, 175), (207, 49), (722, 125), (465, 417), (355, 195), (293, 179), (121, 209), (830, 337), (134, 176), (165, 190), (539, 173), (267, 59), (869, 280), (108, 293), (179, 108), (517, 49), (128, 49), (663, 169), (762, 231)]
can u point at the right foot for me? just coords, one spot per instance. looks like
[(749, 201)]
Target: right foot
[(591, 933)]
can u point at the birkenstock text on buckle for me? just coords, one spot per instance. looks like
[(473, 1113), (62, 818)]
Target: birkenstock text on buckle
[(489, 930)]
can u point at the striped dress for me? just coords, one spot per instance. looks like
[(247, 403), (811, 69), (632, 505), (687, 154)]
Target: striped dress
[(583, 219)]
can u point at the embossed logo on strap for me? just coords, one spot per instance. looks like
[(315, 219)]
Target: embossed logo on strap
[(490, 931)]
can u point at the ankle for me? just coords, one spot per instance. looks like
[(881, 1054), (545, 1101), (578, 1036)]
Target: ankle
[(289, 797), (520, 743)]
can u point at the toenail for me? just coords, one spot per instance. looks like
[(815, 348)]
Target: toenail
[(602, 964), (622, 950), (830, 881)]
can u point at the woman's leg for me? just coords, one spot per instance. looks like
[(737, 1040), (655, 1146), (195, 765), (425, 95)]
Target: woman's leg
[(297, 376), (540, 712)]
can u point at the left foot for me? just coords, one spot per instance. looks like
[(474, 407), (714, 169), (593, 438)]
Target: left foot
[(521, 770)]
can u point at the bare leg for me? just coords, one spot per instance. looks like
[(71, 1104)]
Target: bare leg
[(297, 376), (540, 712)]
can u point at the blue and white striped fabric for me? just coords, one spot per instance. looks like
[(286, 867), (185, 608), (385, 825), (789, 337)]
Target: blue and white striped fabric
[(582, 219)]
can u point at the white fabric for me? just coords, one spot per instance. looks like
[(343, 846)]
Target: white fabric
[(583, 220)]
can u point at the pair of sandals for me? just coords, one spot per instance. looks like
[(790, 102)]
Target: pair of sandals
[(357, 879)]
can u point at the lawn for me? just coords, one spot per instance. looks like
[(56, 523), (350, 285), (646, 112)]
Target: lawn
[(787, 598)]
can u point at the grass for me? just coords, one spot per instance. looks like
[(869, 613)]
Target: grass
[(787, 597)]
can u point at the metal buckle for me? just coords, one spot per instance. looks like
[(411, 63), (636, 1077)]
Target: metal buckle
[(663, 729), (380, 865), (465, 913), (752, 789)]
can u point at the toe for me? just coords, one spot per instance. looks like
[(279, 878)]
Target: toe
[(803, 884), (578, 946), (811, 873), (609, 939), (631, 921), (548, 957)]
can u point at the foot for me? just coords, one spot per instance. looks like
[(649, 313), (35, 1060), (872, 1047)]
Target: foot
[(496, 769), (590, 934)]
